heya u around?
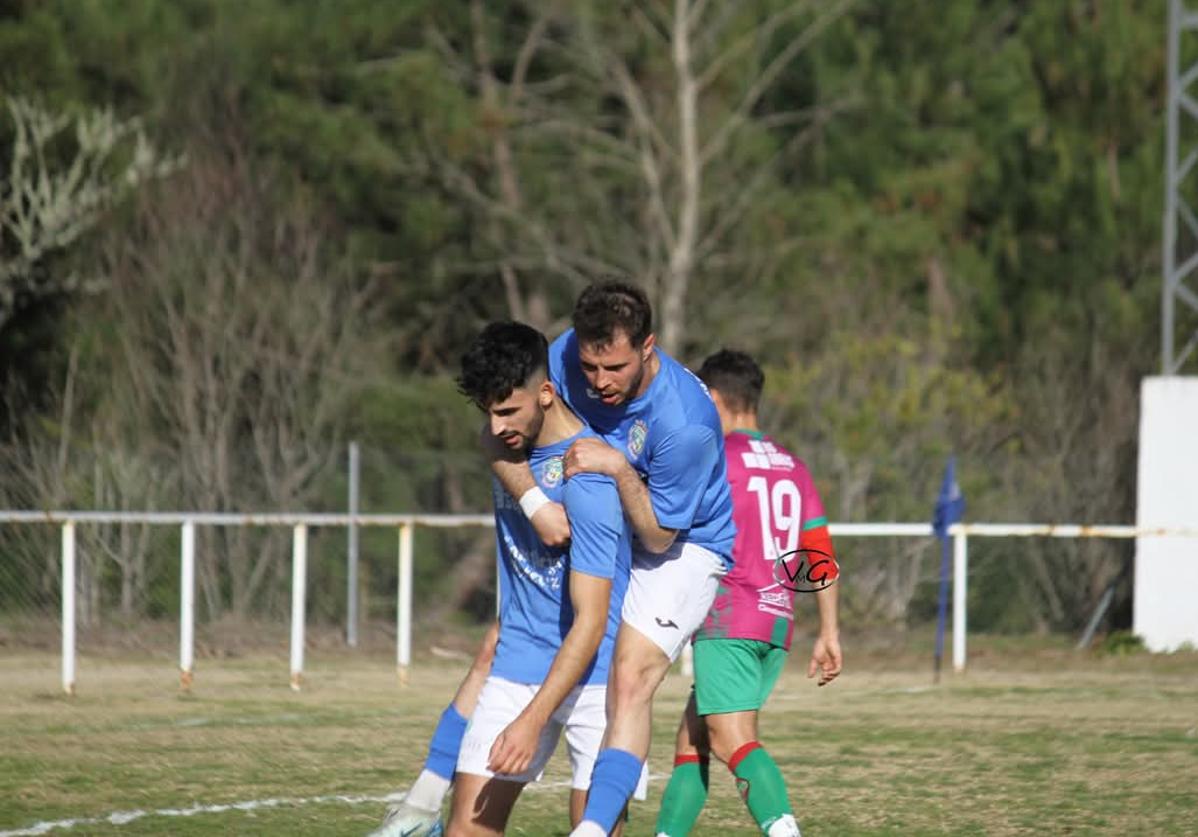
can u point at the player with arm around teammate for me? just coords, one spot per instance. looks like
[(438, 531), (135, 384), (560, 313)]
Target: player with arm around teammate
[(662, 445), (559, 609), (782, 543)]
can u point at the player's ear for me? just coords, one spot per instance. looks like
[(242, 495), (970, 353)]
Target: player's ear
[(647, 347), (546, 393)]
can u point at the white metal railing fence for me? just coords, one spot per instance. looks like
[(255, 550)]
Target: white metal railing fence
[(405, 524)]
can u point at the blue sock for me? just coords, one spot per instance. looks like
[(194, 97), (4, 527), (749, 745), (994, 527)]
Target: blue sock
[(447, 740), (612, 782)]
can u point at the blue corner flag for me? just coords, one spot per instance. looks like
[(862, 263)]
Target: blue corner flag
[(950, 508), (950, 505)]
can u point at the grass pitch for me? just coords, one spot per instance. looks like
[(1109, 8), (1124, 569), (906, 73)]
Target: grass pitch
[(1034, 738)]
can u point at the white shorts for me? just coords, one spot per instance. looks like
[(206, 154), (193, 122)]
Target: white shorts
[(582, 714), (669, 594)]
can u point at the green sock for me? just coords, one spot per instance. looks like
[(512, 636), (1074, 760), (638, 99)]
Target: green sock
[(760, 784), (684, 797)]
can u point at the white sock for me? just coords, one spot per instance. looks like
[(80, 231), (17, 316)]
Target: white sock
[(588, 828), (784, 826), (428, 791)]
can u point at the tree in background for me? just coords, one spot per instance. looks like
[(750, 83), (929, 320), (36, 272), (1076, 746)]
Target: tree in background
[(629, 140), (48, 200), (938, 225)]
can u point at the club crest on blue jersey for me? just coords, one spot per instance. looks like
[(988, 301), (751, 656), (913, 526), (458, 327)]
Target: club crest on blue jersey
[(551, 472), (636, 437)]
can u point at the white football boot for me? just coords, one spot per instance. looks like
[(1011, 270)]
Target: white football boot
[(407, 820)]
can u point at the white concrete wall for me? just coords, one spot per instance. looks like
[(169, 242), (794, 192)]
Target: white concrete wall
[(1165, 607)]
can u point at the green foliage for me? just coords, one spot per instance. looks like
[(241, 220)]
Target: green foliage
[(948, 241), (1121, 643)]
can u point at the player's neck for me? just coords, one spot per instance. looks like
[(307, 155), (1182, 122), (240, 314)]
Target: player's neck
[(744, 422), (560, 424)]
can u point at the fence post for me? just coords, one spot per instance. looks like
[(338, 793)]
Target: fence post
[(351, 572), (299, 584), (688, 660), (68, 607), (403, 615), (960, 578), (187, 598)]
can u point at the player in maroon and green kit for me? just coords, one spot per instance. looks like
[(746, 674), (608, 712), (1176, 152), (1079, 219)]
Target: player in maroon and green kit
[(741, 648)]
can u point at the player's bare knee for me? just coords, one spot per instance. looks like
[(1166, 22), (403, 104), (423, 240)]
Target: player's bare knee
[(634, 681), (627, 692), (459, 823), (721, 747), (471, 821), (725, 737)]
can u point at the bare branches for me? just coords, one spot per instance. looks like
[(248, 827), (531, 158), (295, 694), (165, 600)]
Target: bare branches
[(623, 156), (730, 212), (758, 34), (45, 207), (528, 49), (719, 142), (656, 29), (243, 344)]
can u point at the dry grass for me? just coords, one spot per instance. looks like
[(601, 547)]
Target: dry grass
[(1033, 739)]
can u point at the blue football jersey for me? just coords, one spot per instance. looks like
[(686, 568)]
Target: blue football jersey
[(535, 612), (671, 434)]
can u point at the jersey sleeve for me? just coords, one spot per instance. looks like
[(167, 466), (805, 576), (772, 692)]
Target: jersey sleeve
[(813, 534), (596, 524), (557, 360), (679, 473)]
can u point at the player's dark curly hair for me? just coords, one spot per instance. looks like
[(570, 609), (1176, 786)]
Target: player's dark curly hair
[(737, 376), (504, 356), (606, 306)]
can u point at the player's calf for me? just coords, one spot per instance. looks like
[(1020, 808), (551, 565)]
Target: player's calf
[(761, 786)]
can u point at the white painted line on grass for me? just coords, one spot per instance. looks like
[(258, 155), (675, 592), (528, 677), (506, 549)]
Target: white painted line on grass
[(124, 817)]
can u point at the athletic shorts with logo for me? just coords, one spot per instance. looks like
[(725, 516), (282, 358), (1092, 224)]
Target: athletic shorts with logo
[(582, 716), (669, 594)]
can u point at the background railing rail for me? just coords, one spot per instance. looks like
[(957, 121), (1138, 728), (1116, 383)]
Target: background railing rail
[(405, 524)]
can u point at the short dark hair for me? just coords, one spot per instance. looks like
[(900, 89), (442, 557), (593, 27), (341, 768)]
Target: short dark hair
[(736, 376), (606, 306), (505, 356)]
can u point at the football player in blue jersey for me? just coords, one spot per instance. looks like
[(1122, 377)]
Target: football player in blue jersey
[(559, 608), (660, 440)]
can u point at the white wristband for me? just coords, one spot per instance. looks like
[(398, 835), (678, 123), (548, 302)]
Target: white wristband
[(533, 500)]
